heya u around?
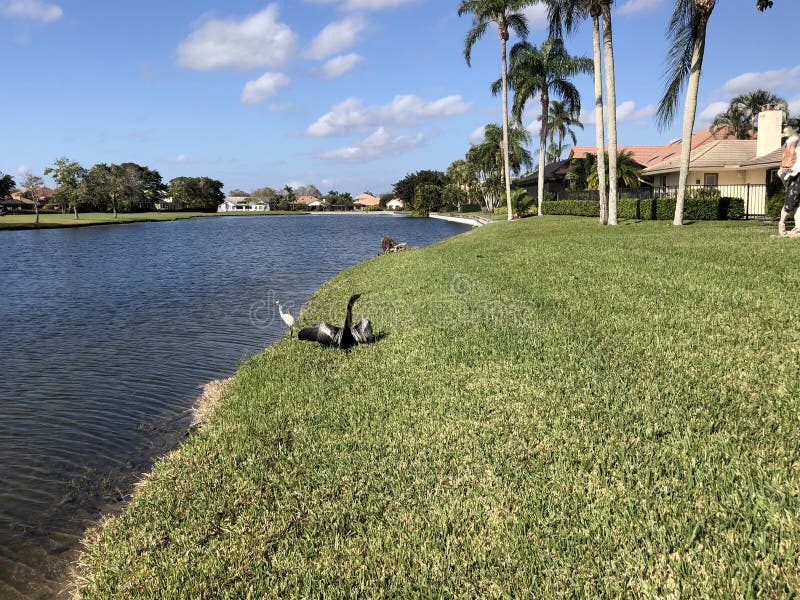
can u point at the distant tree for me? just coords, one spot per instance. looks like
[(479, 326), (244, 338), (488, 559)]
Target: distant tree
[(96, 189), (32, 184), (385, 198), (308, 190), (68, 175), (427, 198), (197, 193), (735, 120), (485, 161), (237, 193), (7, 186), (265, 193), (453, 196), (763, 5), (407, 186), (459, 175), (334, 198), (584, 174), (560, 121)]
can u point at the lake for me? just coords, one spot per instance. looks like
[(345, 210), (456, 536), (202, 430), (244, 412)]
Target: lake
[(106, 335)]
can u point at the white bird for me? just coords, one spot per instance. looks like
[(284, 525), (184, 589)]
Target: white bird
[(286, 317)]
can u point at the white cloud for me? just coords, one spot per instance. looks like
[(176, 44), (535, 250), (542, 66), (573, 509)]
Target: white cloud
[(22, 170), (266, 86), (339, 65), (352, 114), (704, 118), (335, 37), (794, 106), (626, 113), (34, 10), (379, 144), (258, 40), (537, 17), (476, 137), (365, 4), (632, 7), (766, 80)]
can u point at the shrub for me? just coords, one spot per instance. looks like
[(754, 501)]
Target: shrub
[(775, 202), (651, 209), (703, 193)]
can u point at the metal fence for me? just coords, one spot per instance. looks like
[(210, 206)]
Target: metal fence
[(754, 196)]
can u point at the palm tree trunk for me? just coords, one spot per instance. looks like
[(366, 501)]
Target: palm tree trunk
[(75, 210), (599, 119), (542, 151), (689, 109), (611, 91), (506, 164), (36, 208)]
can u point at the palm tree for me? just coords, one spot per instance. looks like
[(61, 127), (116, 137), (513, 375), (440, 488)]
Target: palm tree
[(752, 102), (611, 91), (505, 14), (542, 72), (736, 120), (687, 30), (487, 159), (559, 124), (628, 171), (563, 16)]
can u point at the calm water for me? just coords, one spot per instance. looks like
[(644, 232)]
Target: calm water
[(107, 332)]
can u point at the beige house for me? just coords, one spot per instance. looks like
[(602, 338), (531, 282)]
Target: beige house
[(365, 200), (738, 168)]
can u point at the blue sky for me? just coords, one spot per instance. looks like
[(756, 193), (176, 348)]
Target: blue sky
[(343, 94)]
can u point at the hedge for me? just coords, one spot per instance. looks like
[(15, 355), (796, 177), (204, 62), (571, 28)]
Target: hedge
[(660, 209)]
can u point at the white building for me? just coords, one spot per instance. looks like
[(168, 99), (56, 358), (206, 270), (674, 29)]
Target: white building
[(242, 204)]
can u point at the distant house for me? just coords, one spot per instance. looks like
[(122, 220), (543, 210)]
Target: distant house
[(395, 204), (168, 203), (43, 193), (242, 204), (307, 202), (366, 200), (554, 179)]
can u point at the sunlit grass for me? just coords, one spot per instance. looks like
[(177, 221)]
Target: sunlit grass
[(554, 409)]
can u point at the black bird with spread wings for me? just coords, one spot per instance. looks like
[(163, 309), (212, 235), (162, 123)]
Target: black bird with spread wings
[(344, 337)]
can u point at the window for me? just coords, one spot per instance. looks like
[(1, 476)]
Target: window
[(711, 179)]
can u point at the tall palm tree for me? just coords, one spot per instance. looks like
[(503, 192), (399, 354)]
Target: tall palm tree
[(687, 30), (543, 72), (559, 125), (611, 92), (563, 16), (505, 14)]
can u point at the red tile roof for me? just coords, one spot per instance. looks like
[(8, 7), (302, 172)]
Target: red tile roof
[(366, 200)]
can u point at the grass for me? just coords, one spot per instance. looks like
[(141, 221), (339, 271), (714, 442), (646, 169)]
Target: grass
[(49, 220), (555, 409)]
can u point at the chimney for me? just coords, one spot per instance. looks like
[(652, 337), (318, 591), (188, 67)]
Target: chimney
[(770, 129)]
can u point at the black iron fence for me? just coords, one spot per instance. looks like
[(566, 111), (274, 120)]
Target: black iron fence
[(754, 196)]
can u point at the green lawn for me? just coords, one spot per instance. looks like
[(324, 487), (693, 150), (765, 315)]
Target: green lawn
[(554, 409), (26, 221)]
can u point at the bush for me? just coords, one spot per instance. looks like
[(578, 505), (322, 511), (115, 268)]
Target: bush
[(652, 209), (775, 202)]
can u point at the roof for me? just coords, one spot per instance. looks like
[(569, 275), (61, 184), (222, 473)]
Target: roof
[(551, 171), (648, 156), (721, 154), (306, 200), (773, 159), (367, 200)]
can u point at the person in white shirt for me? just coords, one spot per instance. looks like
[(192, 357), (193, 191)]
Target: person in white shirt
[(790, 175)]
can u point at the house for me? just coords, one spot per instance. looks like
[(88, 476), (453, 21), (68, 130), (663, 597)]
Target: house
[(395, 204), (554, 179), (242, 204), (168, 203), (20, 199), (737, 168), (307, 202), (366, 200)]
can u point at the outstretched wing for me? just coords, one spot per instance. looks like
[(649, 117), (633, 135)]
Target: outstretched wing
[(363, 332), (322, 332)]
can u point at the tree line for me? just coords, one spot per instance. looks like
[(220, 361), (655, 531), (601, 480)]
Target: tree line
[(125, 187)]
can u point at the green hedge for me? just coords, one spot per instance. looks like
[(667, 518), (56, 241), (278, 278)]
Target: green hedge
[(656, 209)]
